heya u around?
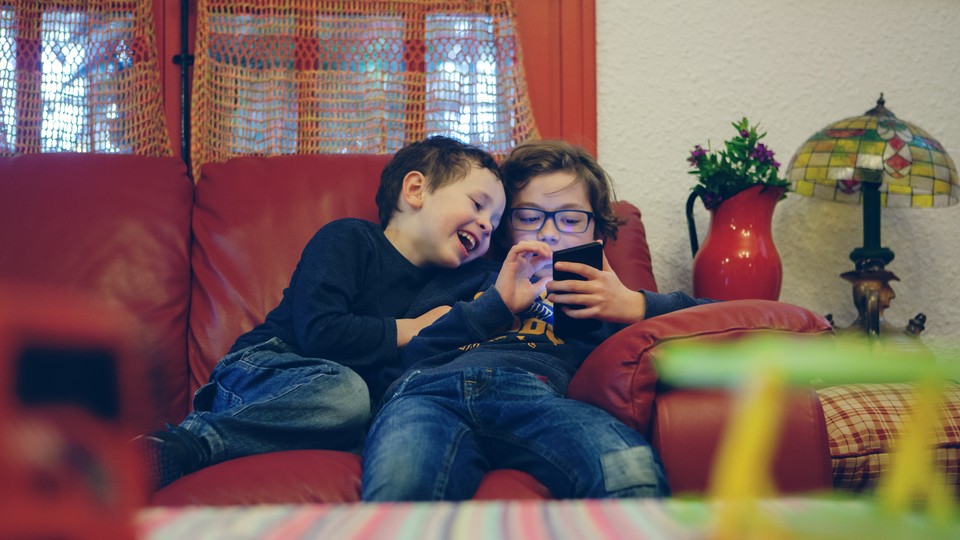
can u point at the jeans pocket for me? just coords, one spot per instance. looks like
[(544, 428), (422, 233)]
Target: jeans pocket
[(216, 395), (203, 398), (405, 383)]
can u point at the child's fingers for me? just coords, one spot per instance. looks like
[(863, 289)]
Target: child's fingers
[(584, 270), (571, 299), (541, 284), (530, 251), (580, 313), (571, 286)]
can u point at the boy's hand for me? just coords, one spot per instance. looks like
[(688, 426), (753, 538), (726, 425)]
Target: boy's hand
[(513, 283), (407, 329), (603, 296)]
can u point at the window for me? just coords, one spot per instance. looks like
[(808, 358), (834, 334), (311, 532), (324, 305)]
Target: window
[(77, 77), (355, 78), (464, 88)]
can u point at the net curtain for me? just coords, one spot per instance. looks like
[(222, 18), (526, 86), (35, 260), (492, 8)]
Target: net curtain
[(80, 76), (302, 77)]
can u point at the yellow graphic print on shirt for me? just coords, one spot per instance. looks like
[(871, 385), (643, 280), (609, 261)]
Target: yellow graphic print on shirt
[(537, 320)]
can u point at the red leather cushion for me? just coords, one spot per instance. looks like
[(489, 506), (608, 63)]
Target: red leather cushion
[(308, 476), (503, 484), (251, 220), (294, 476), (115, 226), (619, 376), (689, 427), (629, 254)]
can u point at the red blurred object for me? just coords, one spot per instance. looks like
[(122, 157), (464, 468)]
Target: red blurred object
[(69, 401), (738, 259)]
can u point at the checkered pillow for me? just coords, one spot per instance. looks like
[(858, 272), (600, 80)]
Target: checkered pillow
[(862, 424)]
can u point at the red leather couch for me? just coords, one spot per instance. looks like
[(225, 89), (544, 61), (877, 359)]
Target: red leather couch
[(195, 265)]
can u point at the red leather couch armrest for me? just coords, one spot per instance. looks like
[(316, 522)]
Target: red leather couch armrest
[(688, 428), (619, 376)]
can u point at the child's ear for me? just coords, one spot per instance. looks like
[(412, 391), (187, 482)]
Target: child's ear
[(414, 189)]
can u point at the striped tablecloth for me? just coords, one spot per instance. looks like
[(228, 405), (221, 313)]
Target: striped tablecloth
[(527, 520)]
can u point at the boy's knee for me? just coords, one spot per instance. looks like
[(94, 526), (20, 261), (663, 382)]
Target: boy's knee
[(337, 396), (352, 397), (399, 480)]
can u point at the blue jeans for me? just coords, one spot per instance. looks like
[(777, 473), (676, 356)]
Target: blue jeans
[(441, 432), (265, 398)]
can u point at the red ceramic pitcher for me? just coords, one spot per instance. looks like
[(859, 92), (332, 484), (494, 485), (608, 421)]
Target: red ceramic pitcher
[(738, 258)]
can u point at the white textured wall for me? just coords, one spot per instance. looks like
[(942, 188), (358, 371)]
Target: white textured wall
[(674, 74)]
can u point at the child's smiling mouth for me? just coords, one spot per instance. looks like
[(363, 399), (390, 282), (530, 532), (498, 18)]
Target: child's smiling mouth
[(468, 240)]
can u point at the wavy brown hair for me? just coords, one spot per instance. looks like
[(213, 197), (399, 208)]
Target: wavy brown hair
[(541, 157)]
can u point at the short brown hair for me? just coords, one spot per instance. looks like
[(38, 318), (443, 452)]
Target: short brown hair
[(541, 157), (441, 160)]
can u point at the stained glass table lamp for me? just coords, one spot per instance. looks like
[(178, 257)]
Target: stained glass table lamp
[(875, 160)]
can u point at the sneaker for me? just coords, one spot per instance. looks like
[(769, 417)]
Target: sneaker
[(165, 456)]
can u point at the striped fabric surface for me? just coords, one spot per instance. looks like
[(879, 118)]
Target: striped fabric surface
[(636, 519)]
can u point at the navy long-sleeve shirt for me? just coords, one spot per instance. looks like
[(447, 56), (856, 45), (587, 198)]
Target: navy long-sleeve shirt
[(346, 293)]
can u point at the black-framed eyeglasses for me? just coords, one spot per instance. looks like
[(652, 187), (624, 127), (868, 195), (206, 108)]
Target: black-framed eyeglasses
[(532, 219)]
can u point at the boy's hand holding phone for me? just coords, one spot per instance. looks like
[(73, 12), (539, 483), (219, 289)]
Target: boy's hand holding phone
[(523, 260), (595, 292), (574, 265)]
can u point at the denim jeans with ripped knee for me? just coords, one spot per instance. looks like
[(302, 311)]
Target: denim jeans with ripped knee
[(441, 432)]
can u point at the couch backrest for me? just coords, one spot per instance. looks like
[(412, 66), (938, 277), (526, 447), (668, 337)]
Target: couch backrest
[(253, 216), (629, 254), (119, 227), (116, 226)]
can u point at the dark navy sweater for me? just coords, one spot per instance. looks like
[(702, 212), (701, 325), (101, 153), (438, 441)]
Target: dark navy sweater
[(480, 331), (348, 289)]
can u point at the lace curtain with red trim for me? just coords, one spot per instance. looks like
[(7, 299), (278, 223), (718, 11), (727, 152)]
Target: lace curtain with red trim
[(80, 76), (278, 77)]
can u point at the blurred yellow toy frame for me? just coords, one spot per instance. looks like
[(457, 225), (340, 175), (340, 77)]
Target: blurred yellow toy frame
[(762, 369)]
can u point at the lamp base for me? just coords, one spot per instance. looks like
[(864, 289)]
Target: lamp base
[(872, 294)]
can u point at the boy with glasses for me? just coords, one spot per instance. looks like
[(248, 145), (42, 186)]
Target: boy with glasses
[(485, 384)]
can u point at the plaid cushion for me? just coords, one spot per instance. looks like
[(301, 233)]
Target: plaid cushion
[(862, 424)]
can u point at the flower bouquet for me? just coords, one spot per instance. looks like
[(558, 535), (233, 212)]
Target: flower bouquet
[(743, 162)]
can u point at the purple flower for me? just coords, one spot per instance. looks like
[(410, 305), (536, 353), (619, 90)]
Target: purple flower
[(763, 154), (744, 133), (696, 156)]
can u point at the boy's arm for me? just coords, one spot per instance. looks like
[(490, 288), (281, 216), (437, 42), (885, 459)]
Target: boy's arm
[(408, 328), (467, 322), (605, 297), (491, 311), (327, 285)]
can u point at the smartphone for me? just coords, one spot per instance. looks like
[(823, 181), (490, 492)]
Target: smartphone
[(590, 254)]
